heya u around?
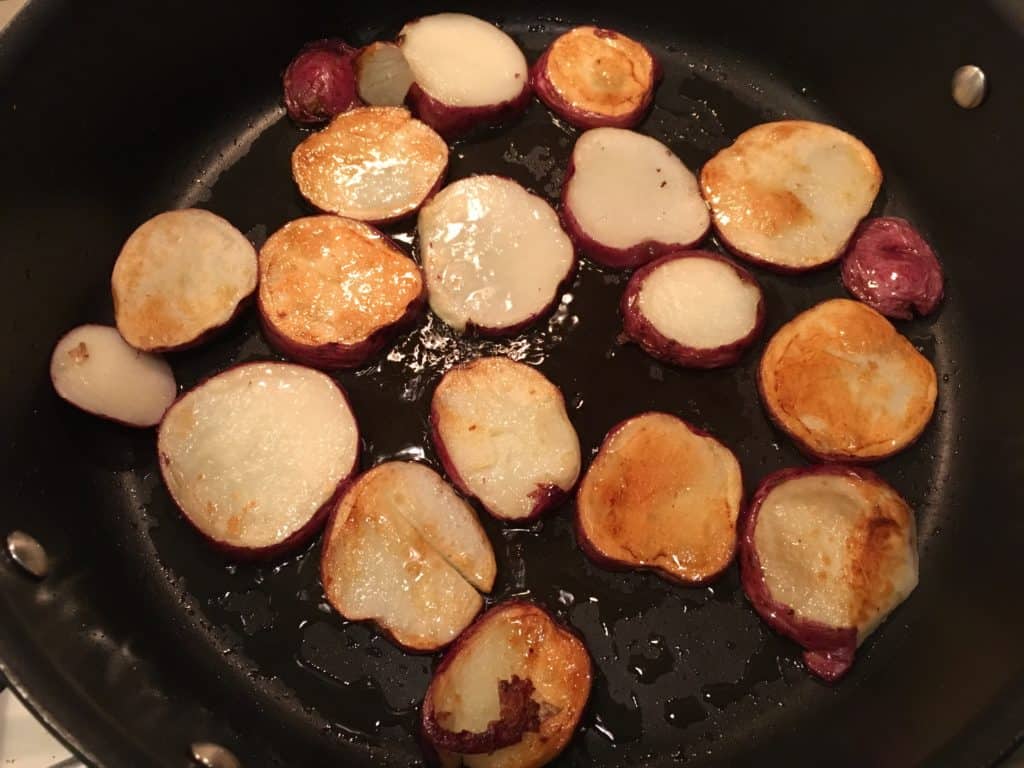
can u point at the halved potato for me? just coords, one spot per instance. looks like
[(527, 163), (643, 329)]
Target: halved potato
[(373, 164), (255, 456), (179, 277), (628, 199), (845, 385), (383, 76), (826, 553), (663, 496), (693, 308), (404, 551), (333, 292), (466, 72), (596, 77), (96, 370), (789, 194), (502, 433), (509, 693)]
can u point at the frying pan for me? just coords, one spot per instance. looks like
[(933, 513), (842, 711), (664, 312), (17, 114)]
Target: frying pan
[(141, 641)]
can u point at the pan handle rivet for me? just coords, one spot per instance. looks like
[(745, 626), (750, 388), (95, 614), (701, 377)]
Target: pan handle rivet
[(969, 86), (213, 755), (28, 554)]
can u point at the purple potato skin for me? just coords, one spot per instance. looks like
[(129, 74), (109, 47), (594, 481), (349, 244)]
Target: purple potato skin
[(320, 82), (297, 539), (545, 497), (828, 651), (453, 122), (606, 255), (428, 723), (638, 328), (332, 520), (595, 554), (111, 419), (892, 268), (335, 356), (581, 118)]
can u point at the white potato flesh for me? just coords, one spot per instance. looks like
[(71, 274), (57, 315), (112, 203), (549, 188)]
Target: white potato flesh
[(791, 193), (403, 552), (845, 383), (93, 368), (699, 303), (493, 254), (519, 640), (627, 189), (252, 454), (370, 164), (383, 76), (837, 549), (442, 517), (181, 274), (463, 61), (505, 431)]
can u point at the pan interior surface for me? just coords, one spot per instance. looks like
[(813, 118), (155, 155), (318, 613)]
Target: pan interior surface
[(143, 640)]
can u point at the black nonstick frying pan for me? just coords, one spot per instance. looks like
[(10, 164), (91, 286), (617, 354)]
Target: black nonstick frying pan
[(141, 641)]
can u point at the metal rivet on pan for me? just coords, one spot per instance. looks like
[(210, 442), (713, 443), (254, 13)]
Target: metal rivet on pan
[(28, 554), (213, 755), (969, 86)]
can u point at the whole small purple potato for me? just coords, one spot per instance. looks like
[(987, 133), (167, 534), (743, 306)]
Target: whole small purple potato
[(320, 82), (891, 268)]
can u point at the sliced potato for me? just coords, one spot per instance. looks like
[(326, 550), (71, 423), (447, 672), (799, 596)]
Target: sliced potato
[(509, 693), (789, 194), (503, 435), (661, 496), (827, 553), (845, 384), (373, 164), (404, 551), (179, 277)]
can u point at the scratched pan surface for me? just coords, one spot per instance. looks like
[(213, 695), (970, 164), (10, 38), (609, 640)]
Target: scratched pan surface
[(142, 640)]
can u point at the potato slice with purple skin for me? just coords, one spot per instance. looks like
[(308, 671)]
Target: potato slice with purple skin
[(826, 554), (788, 195), (494, 255), (595, 77), (372, 164), (333, 291), (891, 268), (502, 433), (405, 552), (845, 385), (694, 309), (509, 693), (255, 456), (628, 199), (96, 370), (181, 276), (466, 72), (661, 495)]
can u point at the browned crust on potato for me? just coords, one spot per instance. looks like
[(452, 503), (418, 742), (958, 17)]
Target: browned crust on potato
[(322, 165), (325, 279), (554, 660), (626, 70), (628, 505), (823, 367)]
